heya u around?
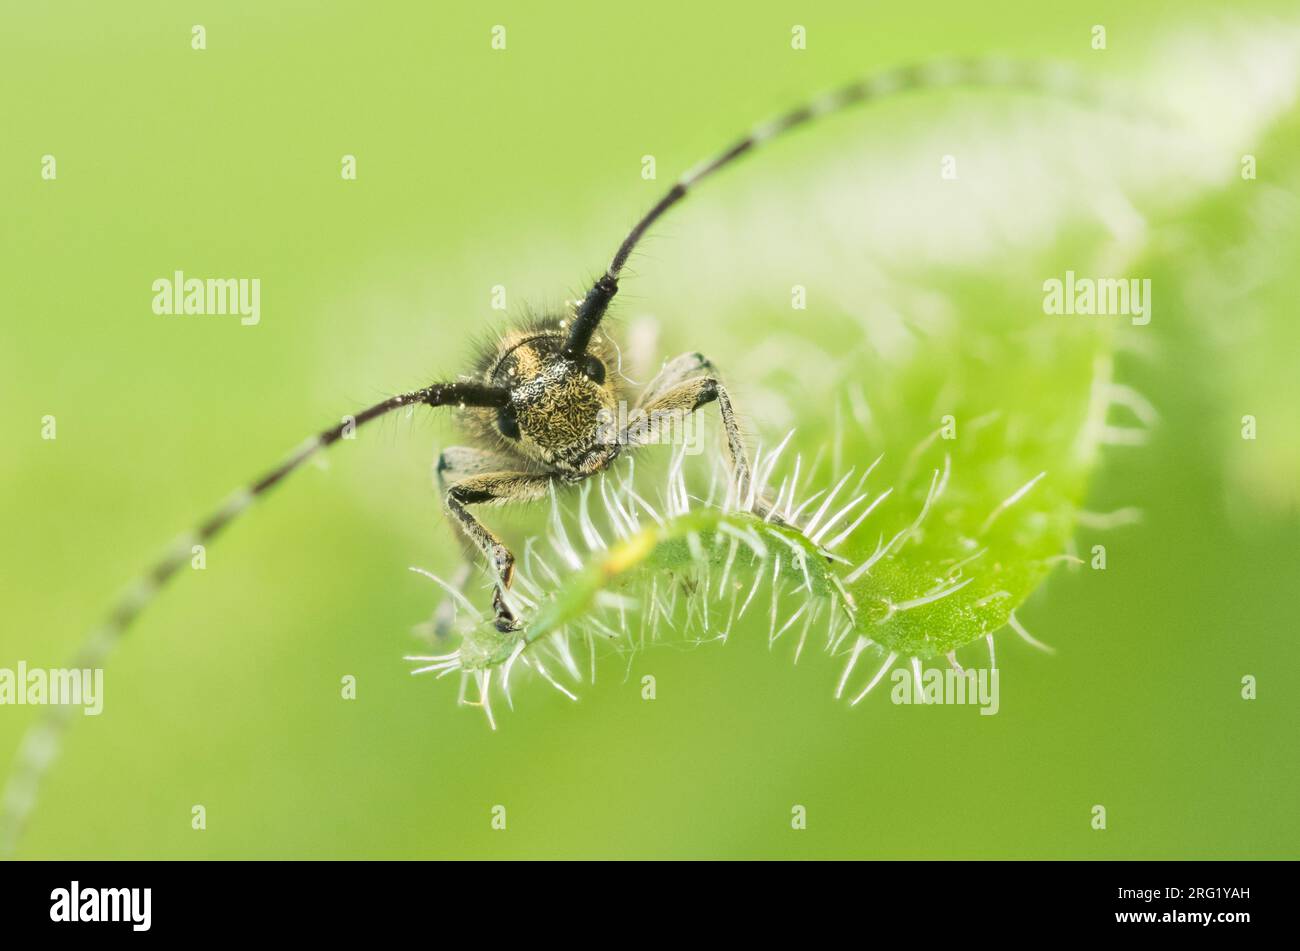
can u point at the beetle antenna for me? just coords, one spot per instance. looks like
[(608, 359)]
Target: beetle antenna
[(935, 75), (41, 742)]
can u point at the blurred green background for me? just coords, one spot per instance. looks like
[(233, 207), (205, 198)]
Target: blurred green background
[(523, 168)]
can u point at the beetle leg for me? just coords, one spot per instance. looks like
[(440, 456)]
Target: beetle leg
[(488, 489), (673, 394)]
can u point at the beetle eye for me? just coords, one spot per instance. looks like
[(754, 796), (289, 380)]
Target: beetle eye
[(594, 368), (508, 423)]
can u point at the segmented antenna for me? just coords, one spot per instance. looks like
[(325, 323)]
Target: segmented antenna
[(939, 74), (40, 745)]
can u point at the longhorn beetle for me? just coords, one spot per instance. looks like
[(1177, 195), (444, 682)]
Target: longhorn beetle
[(537, 405)]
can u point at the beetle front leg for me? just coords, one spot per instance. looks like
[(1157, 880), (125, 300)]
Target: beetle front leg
[(487, 489), (686, 397)]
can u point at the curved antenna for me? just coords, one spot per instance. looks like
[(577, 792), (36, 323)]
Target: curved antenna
[(934, 75), (40, 744)]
